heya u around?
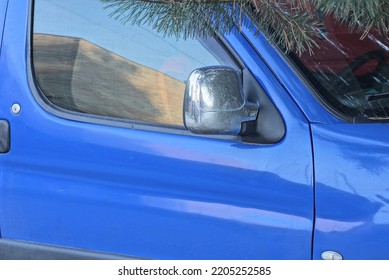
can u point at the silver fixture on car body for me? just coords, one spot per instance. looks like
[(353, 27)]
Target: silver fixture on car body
[(331, 255), (16, 108)]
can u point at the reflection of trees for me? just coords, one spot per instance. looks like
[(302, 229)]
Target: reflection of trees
[(292, 24)]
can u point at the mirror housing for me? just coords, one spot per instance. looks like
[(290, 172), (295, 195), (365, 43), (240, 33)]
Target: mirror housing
[(214, 102)]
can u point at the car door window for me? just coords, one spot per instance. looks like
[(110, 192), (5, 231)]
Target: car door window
[(86, 61)]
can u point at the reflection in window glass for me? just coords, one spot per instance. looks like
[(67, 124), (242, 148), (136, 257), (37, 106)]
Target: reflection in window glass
[(350, 70), (88, 62)]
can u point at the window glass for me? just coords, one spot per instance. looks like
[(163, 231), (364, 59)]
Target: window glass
[(350, 70), (88, 62)]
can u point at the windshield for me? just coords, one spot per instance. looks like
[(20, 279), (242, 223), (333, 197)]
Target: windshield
[(350, 70)]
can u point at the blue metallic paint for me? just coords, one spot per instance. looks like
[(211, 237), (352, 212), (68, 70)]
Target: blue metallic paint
[(151, 194), (351, 164), (161, 195), (352, 190), (3, 10), (284, 72)]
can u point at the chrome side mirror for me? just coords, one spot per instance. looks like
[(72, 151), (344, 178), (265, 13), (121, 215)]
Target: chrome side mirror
[(214, 102)]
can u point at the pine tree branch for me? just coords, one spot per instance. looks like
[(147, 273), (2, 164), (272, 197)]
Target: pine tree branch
[(361, 15), (291, 24)]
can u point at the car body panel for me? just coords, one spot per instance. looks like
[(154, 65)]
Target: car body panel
[(150, 194), (113, 189), (3, 10), (352, 190), (290, 78)]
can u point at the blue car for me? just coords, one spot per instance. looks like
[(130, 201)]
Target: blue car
[(120, 142)]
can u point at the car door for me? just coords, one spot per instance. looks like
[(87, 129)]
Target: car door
[(100, 163)]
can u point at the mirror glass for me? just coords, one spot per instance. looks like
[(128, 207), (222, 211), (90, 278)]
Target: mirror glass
[(220, 92)]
